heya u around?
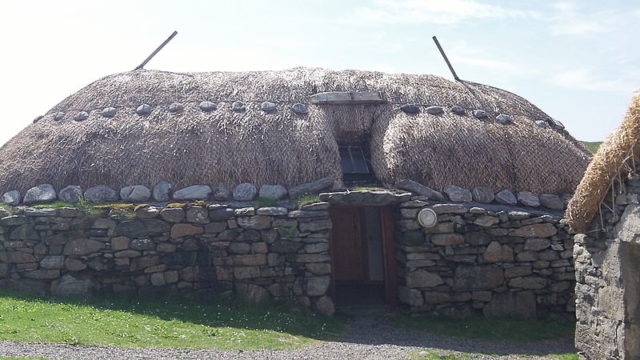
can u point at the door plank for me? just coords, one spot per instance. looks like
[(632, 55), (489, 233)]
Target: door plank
[(347, 244), (388, 246)]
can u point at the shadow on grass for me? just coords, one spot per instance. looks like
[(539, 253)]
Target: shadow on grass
[(476, 335), (216, 313)]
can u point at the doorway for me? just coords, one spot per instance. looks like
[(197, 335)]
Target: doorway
[(630, 267), (362, 253)]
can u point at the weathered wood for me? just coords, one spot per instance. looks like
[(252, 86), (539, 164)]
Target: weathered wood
[(388, 250), (347, 97), (141, 66), (446, 59), (347, 244)]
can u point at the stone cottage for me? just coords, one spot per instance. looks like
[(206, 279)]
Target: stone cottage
[(442, 196), (605, 212)]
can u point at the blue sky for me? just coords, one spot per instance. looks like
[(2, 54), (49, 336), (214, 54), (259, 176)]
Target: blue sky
[(577, 60)]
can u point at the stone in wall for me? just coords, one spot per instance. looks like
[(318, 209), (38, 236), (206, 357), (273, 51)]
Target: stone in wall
[(70, 194), (11, 197), (40, 194), (100, 194)]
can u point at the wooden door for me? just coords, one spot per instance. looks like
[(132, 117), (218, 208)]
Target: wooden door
[(347, 245), (388, 251)]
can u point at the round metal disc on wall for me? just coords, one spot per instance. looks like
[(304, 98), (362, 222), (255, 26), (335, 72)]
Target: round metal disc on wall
[(427, 218)]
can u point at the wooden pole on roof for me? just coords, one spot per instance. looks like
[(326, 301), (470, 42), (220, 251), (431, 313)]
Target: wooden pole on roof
[(446, 59), (141, 66)]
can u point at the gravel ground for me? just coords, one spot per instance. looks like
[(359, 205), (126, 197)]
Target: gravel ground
[(368, 337)]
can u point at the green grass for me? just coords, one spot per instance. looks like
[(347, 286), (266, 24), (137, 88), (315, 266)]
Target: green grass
[(566, 357), (516, 330), (307, 199), (55, 205), (434, 355), (222, 323), (5, 210), (447, 355), (82, 205), (592, 145), (264, 202)]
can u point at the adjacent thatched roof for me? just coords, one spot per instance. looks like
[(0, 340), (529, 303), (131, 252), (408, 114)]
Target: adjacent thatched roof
[(283, 147), (607, 164)]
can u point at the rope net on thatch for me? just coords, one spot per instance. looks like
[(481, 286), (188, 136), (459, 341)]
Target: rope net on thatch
[(285, 147), (610, 163)]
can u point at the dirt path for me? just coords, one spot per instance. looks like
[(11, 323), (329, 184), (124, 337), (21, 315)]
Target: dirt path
[(368, 337)]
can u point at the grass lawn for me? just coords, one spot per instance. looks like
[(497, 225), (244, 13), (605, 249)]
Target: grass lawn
[(437, 355), (503, 330), (221, 323), (493, 329)]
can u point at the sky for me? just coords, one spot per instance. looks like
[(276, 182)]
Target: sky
[(579, 61)]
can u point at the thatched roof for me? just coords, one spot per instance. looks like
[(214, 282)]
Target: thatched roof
[(621, 146), (284, 147)]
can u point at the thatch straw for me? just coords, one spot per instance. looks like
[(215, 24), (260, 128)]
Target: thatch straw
[(604, 168), (195, 147)]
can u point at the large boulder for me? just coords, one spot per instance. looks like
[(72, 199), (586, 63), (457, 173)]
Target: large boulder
[(457, 194), (506, 197), (70, 194), (528, 198), (135, 193), (222, 193), (193, 192), (551, 201), (100, 194), (272, 192), (419, 189), (482, 194), (40, 194), (245, 192), (162, 191), (11, 197), (310, 188)]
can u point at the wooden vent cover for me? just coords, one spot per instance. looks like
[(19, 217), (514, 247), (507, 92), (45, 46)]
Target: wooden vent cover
[(347, 97)]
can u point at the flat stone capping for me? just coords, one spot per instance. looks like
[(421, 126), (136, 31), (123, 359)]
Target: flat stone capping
[(365, 197), (347, 97), (556, 214)]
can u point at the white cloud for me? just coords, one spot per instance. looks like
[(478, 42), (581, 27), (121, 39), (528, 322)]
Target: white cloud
[(587, 79), (576, 27), (435, 11), (570, 20), (565, 6), (491, 64), (481, 60)]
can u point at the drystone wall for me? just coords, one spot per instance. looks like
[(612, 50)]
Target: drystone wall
[(268, 252), (484, 258), (608, 285), (496, 253)]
